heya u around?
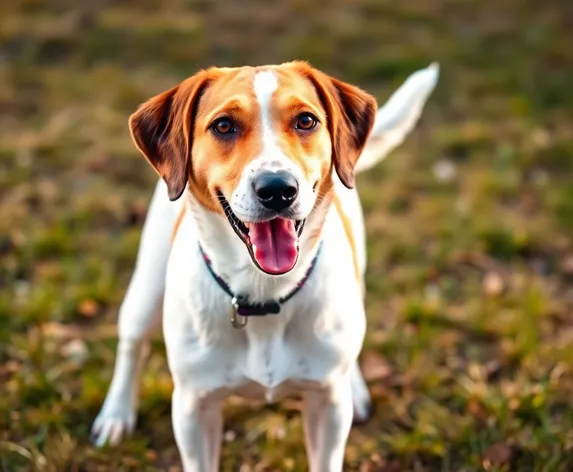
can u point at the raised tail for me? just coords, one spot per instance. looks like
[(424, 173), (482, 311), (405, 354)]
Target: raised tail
[(398, 116)]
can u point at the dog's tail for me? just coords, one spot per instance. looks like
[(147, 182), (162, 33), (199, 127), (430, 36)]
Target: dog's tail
[(398, 116)]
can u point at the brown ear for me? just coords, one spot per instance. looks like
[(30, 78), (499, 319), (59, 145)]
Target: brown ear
[(350, 115), (162, 129)]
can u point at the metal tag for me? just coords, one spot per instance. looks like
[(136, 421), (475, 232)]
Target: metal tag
[(234, 315)]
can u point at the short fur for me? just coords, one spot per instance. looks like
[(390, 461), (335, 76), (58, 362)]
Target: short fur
[(311, 348)]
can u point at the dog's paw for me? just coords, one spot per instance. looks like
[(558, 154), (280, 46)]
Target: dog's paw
[(361, 403), (362, 411), (112, 425)]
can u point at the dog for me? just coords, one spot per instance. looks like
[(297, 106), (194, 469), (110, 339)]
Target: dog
[(254, 238)]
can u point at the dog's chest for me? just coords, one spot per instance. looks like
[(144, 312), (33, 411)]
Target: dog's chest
[(264, 361), (277, 359), (277, 373), (300, 348)]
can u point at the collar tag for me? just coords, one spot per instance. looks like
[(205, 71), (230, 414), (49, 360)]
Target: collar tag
[(244, 308)]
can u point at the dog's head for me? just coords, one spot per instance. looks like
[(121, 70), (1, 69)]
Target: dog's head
[(259, 145)]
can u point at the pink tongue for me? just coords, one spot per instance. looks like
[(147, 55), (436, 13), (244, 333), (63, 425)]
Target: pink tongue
[(275, 245)]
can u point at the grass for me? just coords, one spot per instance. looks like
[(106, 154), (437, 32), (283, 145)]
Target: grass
[(469, 352)]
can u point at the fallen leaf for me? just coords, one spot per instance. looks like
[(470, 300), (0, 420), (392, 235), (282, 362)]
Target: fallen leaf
[(59, 330), (444, 171), (475, 408), (88, 308), (375, 367), (9, 368), (132, 462), (541, 138), (378, 391), (367, 467), (75, 350), (151, 455), (229, 436), (498, 454), (567, 265), (493, 284)]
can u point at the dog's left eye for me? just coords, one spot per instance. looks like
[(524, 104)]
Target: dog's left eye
[(223, 126), (306, 121)]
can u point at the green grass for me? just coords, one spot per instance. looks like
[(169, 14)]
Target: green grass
[(469, 351)]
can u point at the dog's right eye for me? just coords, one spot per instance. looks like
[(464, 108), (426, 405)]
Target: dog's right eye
[(306, 122), (223, 126)]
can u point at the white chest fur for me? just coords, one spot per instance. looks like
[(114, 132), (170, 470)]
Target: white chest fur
[(318, 331)]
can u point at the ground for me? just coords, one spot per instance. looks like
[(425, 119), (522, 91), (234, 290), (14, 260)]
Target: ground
[(469, 350)]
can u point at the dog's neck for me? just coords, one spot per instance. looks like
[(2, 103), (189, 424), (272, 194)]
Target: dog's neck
[(231, 261)]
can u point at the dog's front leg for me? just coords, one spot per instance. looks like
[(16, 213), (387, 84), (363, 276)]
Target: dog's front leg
[(198, 428), (138, 318), (327, 418), (118, 413)]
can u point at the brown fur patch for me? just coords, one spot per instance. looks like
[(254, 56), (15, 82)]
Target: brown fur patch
[(177, 223), (346, 223)]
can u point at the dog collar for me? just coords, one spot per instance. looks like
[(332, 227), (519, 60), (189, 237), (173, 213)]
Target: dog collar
[(240, 303)]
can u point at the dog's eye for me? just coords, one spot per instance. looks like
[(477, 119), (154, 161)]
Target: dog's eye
[(306, 121), (223, 126)]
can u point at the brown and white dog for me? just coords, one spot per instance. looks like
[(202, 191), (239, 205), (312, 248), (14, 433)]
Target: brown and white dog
[(255, 239)]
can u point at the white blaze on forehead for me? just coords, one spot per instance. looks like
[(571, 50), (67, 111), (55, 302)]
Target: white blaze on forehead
[(271, 157), (265, 84)]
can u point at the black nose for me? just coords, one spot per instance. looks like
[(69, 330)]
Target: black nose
[(276, 190)]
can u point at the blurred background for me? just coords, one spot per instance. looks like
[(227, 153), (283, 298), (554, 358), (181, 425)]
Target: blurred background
[(469, 351)]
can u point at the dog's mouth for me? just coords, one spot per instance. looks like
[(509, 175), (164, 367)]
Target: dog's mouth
[(272, 244)]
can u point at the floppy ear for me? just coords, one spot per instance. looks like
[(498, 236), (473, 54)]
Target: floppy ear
[(162, 130), (350, 116)]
